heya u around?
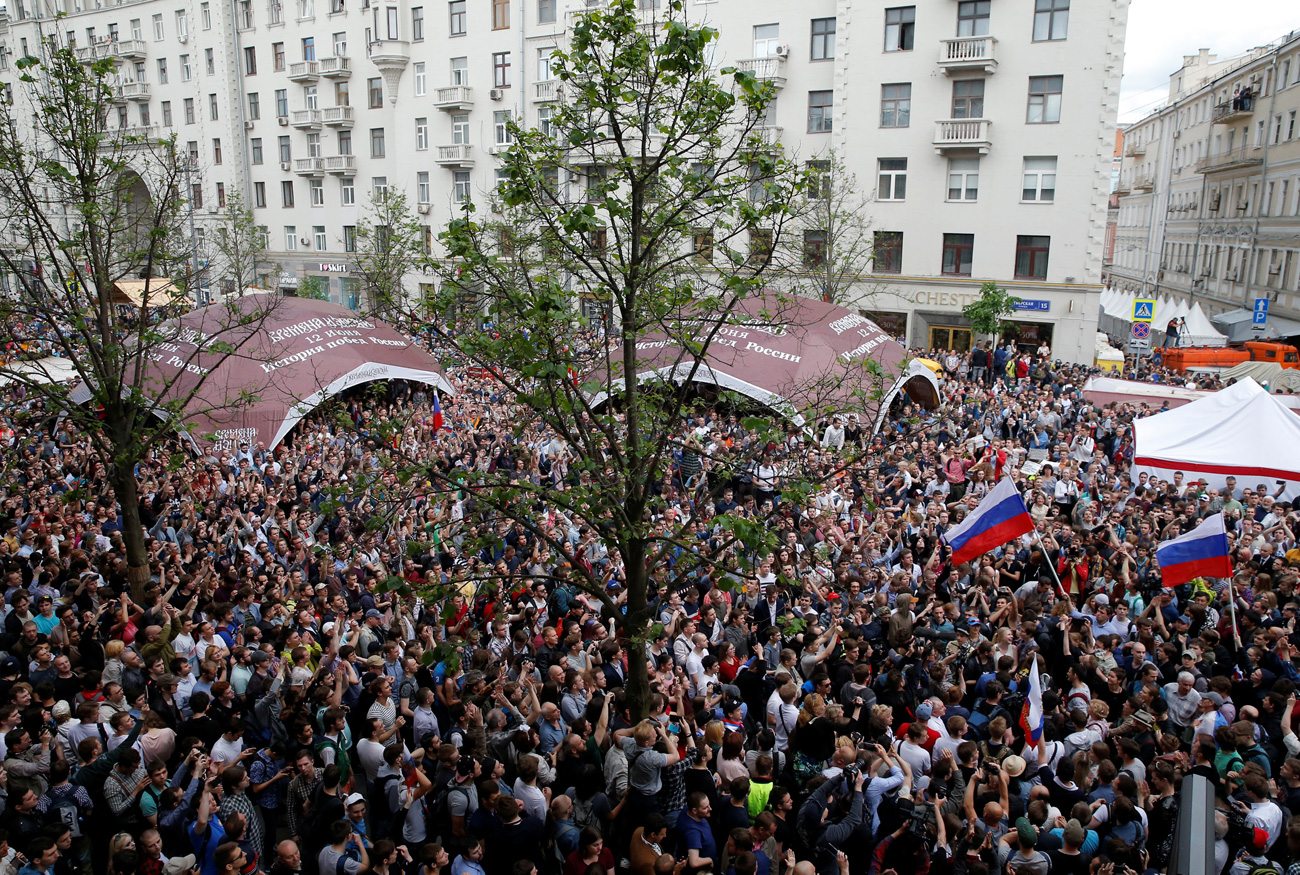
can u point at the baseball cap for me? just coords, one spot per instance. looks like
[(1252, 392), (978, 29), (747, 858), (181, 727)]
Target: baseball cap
[(1102, 599), (373, 614), (353, 799), (1258, 840), (1026, 833), (924, 711)]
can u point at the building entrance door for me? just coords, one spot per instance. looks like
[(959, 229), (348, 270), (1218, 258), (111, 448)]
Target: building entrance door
[(949, 337)]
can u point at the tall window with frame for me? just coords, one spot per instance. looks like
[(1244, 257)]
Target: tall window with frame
[(973, 18), (887, 252), (390, 21), (317, 187), (348, 196), (823, 40), (1044, 100), (417, 24), (422, 188), (259, 195), (766, 39), (456, 18), (275, 12), (958, 253), (501, 128), (421, 134), (968, 98), (309, 48), (500, 14), (256, 145), (963, 179), (896, 105), (891, 180), (900, 28), (286, 148), (460, 186), (345, 142), (459, 129), (313, 145), (290, 238), (1031, 257), (318, 233), (1051, 20), (545, 11), (342, 93), (375, 90), (281, 103), (277, 56), (421, 79), (286, 193), (501, 69), (341, 44), (820, 111), (187, 72), (460, 71), (250, 60), (349, 236), (310, 97), (1039, 184), (814, 248), (376, 142)]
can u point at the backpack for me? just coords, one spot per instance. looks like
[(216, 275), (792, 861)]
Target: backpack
[(440, 812), (381, 813), (584, 814), (1266, 868), (341, 758), (64, 808)]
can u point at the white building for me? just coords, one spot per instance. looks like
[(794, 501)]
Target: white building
[(985, 128), (1210, 188)]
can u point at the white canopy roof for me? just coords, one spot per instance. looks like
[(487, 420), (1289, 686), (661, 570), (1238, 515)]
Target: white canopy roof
[(1164, 312), (1240, 431), (1180, 309), (1200, 330), (46, 370)]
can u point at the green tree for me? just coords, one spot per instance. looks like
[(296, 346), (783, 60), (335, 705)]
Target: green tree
[(987, 312), (389, 247), (313, 287), (652, 204), (86, 207), (833, 246), (239, 244)]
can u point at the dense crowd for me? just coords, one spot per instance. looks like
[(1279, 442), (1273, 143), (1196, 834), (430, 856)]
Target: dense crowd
[(854, 707)]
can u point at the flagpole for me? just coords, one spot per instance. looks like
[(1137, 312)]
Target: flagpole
[(1232, 608), (1050, 564)]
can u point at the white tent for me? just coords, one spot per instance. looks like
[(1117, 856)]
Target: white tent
[(1200, 330), (1240, 431), (1180, 310), (1164, 312), (46, 370)]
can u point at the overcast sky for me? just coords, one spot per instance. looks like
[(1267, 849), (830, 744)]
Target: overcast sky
[(1160, 32)]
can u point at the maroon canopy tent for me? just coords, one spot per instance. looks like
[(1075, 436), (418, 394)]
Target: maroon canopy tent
[(796, 355), (287, 354)]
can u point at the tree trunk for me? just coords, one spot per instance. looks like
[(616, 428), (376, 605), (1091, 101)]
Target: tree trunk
[(636, 627), (137, 557)]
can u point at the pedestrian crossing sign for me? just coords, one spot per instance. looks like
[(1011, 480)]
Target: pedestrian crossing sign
[(1144, 310)]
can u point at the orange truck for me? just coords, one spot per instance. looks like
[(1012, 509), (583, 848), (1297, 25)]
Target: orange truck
[(1206, 357)]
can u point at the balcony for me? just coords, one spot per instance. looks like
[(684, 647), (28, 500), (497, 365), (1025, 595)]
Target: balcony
[(338, 116), (1232, 111), (308, 119), (390, 53), (133, 91), (546, 91), (129, 48), (342, 165), (309, 166), (968, 54), (305, 71), (454, 156), (454, 98), (1142, 184), (97, 52), (769, 69), (1134, 150), (953, 135), (335, 68), (1237, 159)]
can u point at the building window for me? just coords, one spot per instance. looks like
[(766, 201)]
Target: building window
[(900, 28), (500, 14), (212, 107), (501, 128), (1045, 99), (259, 194), (318, 232), (459, 130), (167, 113), (973, 18), (376, 142), (963, 179), (421, 134), (205, 13), (1051, 19), (186, 70), (375, 89), (760, 247), (342, 94), (196, 196), (814, 249), (221, 195), (460, 186), (347, 194), (162, 70), (460, 71), (1031, 257), (345, 142), (823, 39), (422, 186), (702, 244), (501, 69), (286, 193), (210, 61), (256, 145), (285, 149), (317, 190), (968, 98), (417, 24), (277, 53), (189, 110), (341, 44), (313, 145), (250, 60), (277, 12), (892, 180), (545, 11), (1040, 180), (766, 38), (290, 238), (421, 80), (957, 252), (544, 123), (182, 25), (306, 10), (158, 27), (216, 150), (349, 236), (896, 105), (254, 106), (309, 48), (282, 102), (820, 111), (391, 19), (887, 248), (456, 9)]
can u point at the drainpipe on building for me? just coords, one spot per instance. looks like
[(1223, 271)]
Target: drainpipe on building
[(1263, 181)]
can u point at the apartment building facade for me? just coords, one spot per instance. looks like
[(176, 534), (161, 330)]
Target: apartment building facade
[(981, 130), (1209, 191)]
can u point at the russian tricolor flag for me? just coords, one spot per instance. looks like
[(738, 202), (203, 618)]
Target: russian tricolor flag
[(1202, 552), (1031, 715), (1000, 517), (437, 413)]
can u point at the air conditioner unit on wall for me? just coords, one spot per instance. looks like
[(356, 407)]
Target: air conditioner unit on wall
[(284, 165), (782, 51), (248, 126), (284, 121), (423, 209), (497, 94)]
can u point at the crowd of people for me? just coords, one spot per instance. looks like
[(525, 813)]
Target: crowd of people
[(852, 707)]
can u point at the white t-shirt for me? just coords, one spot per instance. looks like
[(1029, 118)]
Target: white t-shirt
[(918, 759), (227, 751), (787, 718)]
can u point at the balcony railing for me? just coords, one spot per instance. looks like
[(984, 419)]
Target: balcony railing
[(129, 48), (769, 69), (92, 53), (304, 71), (338, 116), (546, 91), (455, 156), (309, 166), (1231, 111), (133, 91), (305, 118), (964, 133), (335, 68), (1134, 150), (1235, 160), (453, 98), (343, 165), (967, 53)]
